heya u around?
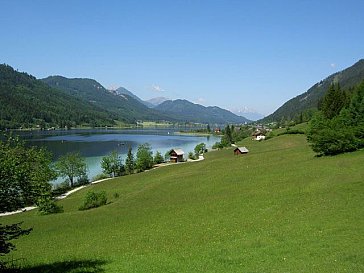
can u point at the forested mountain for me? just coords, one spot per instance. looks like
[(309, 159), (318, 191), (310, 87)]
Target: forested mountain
[(125, 107), (28, 102), (61, 102), (184, 111), (347, 79)]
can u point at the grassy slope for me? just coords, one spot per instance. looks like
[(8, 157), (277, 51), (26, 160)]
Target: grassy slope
[(278, 209)]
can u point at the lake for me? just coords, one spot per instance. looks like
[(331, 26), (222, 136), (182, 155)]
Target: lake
[(93, 144)]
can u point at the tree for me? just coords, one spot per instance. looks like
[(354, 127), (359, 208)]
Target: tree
[(8, 233), (158, 158), (208, 128), (333, 102), (71, 165), (355, 114), (112, 164), (200, 149), (24, 174), (330, 136), (228, 134), (167, 156), (144, 158), (330, 133), (129, 162)]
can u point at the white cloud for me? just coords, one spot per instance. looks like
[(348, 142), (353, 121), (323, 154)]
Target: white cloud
[(200, 101), (333, 65), (157, 88)]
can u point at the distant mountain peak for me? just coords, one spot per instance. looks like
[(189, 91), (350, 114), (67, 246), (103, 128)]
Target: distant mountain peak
[(248, 113), (158, 100), (184, 110)]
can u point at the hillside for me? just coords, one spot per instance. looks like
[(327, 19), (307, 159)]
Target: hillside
[(347, 78), (184, 111), (277, 209), (124, 106), (28, 102)]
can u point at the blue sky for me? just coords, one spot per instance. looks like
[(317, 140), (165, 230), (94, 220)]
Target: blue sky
[(233, 54)]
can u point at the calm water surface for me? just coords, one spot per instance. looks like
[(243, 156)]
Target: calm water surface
[(94, 144)]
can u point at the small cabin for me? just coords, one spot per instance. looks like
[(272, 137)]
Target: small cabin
[(240, 151), (176, 155), (258, 135)]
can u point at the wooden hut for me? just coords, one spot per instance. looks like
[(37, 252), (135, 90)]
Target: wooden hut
[(240, 151), (176, 155)]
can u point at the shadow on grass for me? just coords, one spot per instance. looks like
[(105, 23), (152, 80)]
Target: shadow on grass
[(78, 266)]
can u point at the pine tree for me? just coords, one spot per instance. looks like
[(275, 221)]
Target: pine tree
[(333, 102), (129, 162)]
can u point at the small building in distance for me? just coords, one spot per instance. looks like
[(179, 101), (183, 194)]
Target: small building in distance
[(176, 155), (240, 151), (258, 135)]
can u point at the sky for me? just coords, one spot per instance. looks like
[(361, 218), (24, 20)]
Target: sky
[(232, 54)]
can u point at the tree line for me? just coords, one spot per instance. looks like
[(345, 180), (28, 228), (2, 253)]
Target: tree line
[(338, 126), (232, 134)]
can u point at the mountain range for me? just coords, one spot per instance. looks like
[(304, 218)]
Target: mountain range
[(123, 105), (309, 100), (185, 111), (57, 101)]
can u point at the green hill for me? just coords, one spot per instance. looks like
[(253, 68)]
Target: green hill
[(277, 209), (28, 102), (124, 106), (347, 79), (186, 111)]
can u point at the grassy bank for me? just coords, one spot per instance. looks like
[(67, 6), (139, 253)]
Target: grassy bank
[(277, 209)]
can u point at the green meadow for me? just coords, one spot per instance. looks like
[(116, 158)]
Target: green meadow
[(277, 209)]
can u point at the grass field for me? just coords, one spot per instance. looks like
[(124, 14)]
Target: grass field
[(277, 209)]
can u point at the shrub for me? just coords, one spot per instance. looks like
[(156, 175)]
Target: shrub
[(47, 206), (94, 200), (83, 180), (292, 132), (191, 155), (158, 158), (61, 189), (218, 145), (100, 176)]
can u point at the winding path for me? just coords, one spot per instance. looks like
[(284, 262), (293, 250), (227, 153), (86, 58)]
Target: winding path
[(62, 196)]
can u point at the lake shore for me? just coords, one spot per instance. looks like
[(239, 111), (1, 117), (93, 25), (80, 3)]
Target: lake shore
[(62, 196)]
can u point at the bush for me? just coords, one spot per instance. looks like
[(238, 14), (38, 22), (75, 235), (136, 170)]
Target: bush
[(158, 158), (61, 189), (100, 176), (218, 145), (269, 136), (47, 206), (83, 180), (191, 155), (292, 132), (94, 200)]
